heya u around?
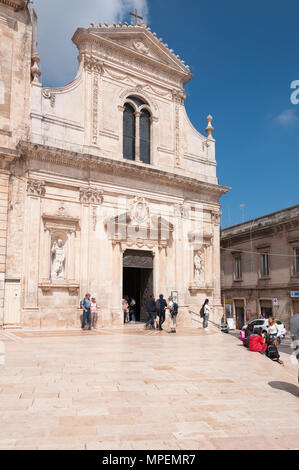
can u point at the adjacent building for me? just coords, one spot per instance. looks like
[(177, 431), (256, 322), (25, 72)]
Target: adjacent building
[(260, 267), (106, 186)]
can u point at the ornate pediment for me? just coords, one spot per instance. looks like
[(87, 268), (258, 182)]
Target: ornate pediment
[(138, 227), (130, 45)]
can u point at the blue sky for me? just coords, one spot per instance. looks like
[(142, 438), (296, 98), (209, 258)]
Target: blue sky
[(244, 56)]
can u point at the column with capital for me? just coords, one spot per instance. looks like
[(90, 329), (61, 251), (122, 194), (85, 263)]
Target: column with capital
[(218, 310), (35, 190)]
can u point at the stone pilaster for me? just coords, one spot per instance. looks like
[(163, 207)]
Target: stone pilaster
[(3, 237)]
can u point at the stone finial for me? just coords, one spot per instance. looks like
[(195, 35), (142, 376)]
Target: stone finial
[(210, 129), (35, 70)]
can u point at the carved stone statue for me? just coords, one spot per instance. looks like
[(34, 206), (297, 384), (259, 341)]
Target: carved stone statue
[(58, 260), (198, 266)]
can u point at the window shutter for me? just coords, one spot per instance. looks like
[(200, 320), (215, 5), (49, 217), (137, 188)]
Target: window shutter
[(129, 133), (145, 136)]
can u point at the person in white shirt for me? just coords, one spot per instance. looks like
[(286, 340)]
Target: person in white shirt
[(94, 312), (171, 317), (207, 310), (273, 331)]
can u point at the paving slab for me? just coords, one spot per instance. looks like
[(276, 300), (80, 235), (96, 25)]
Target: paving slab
[(128, 388)]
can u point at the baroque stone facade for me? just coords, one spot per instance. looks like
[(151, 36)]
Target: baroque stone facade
[(74, 209)]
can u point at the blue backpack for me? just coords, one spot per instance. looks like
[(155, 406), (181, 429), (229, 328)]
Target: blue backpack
[(174, 310)]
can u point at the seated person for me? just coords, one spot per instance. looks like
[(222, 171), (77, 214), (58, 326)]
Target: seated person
[(248, 332), (257, 342), (242, 336)]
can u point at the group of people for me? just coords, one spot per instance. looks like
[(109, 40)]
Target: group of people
[(129, 309), (156, 310), (90, 312), (265, 343)]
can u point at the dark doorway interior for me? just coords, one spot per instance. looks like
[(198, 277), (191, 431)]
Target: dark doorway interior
[(138, 280), (239, 318)]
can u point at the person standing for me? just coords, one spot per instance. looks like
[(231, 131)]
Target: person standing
[(125, 308), (86, 312), (132, 310), (161, 304), (272, 331), (94, 312), (206, 315), (151, 310), (172, 307)]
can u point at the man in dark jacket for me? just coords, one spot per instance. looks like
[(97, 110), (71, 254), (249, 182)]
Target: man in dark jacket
[(160, 309), (151, 310)]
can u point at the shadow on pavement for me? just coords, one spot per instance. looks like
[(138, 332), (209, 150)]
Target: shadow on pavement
[(287, 387)]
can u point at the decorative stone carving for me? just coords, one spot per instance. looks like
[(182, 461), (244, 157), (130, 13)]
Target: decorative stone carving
[(182, 210), (58, 260), (36, 188), (49, 95), (198, 266), (210, 129), (139, 211), (92, 65), (95, 106), (215, 217), (60, 222), (140, 47), (94, 217), (91, 196), (35, 70), (17, 5), (178, 96), (95, 67)]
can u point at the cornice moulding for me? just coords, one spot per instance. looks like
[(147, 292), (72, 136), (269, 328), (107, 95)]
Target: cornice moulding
[(17, 5), (72, 159)]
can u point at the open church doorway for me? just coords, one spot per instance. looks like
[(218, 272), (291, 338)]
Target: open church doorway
[(138, 269)]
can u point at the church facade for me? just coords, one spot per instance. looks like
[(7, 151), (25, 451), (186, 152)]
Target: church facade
[(105, 185)]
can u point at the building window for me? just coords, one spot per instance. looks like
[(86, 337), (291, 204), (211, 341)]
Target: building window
[(238, 268), (129, 132), (137, 130), (265, 265), (145, 136), (296, 260)]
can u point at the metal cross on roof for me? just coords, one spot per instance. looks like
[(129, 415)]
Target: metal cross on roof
[(136, 16)]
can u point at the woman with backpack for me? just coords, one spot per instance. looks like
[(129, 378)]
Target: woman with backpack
[(205, 314), (172, 307)]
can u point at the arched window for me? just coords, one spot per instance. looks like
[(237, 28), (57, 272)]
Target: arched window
[(129, 132), (145, 136), (137, 131)]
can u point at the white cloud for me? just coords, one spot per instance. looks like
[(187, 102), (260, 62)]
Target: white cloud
[(57, 22), (287, 118)]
